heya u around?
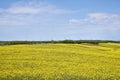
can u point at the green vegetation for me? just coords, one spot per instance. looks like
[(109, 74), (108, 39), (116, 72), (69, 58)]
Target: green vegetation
[(60, 61), (62, 41)]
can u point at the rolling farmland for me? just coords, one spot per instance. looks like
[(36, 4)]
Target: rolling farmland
[(60, 62)]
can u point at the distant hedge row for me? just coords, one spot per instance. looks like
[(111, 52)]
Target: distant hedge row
[(61, 41)]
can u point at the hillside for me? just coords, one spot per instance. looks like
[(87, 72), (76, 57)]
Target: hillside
[(60, 62)]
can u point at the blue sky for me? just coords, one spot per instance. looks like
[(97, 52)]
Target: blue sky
[(59, 19)]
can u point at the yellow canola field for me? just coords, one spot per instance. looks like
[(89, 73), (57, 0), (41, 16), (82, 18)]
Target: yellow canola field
[(60, 62)]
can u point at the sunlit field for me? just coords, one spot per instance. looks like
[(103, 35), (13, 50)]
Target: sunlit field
[(60, 62)]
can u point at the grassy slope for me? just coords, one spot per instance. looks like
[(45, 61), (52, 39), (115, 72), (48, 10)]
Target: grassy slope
[(60, 61)]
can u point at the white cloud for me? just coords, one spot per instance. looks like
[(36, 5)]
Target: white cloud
[(23, 10), (22, 13), (74, 21), (35, 8), (98, 16), (28, 8), (98, 19)]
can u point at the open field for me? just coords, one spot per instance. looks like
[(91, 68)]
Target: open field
[(60, 62)]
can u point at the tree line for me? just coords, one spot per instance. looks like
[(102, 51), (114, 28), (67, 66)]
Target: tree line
[(96, 42)]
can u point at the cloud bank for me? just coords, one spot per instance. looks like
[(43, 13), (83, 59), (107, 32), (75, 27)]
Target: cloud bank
[(98, 19), (23, 13)]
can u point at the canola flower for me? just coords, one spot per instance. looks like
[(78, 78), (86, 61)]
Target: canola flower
[(60, 62)]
